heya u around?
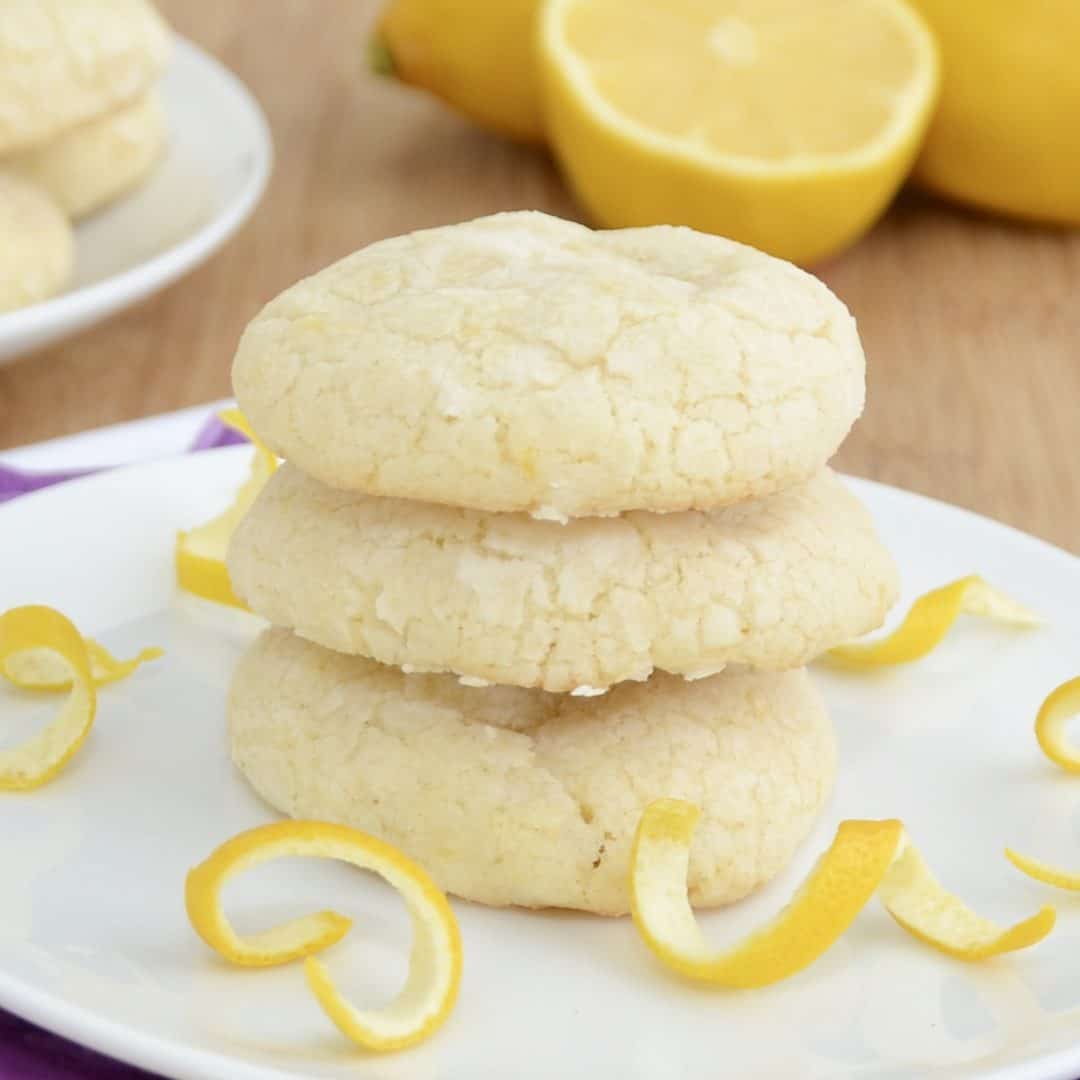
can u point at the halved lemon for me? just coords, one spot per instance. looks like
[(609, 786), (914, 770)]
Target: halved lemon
[(784, 124)]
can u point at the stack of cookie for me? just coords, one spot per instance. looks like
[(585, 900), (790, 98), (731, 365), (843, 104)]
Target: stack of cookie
[(80, 125), (554, 538)]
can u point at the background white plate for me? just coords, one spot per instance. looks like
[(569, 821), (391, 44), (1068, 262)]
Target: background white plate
[(210, 180), (94, 943)]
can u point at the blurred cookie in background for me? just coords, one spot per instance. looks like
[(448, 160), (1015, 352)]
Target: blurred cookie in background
[(63, 62), (36, 244), (80, 126), (89, 166)]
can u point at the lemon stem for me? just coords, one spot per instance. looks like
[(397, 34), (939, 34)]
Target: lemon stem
[(380, 59)]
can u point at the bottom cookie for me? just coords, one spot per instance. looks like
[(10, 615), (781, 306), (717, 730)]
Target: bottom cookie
[(513, 796), (36, 244)]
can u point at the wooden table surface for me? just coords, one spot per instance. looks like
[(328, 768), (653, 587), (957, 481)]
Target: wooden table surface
[(971, 325)]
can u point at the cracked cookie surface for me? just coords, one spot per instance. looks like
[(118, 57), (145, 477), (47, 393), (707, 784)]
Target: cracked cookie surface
[(63, 62), (512, 796), (770, 583), (524, 363)]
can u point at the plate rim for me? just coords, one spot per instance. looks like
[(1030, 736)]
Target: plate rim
[(99, 299), (170, 1057)]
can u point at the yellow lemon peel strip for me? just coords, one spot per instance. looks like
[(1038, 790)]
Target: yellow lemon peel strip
[(914, 898), (43, 669), (1043, 872), (200, 553), (435, 962), (929, 620), (865, 857), (41, 757), (1060, 706), (822, 909)]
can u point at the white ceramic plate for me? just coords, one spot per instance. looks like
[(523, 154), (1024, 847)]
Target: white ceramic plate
[(94, 943), (210, 180)]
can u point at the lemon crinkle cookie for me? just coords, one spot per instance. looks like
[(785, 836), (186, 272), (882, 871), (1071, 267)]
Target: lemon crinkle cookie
[(524, 363), (511, 796), (499, 597), (96, 162), (36, 244), (63, 62)]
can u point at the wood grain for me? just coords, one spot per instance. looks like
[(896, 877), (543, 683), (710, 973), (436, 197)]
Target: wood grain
[(971, 325)]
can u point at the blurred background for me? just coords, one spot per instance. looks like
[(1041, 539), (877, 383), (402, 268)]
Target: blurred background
[(969, 316)]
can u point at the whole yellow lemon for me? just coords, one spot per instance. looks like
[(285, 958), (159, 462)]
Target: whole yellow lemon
[(1006, 135), (478, 56)]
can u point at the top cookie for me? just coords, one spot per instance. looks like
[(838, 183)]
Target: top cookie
[(65, 61), (524, 363)]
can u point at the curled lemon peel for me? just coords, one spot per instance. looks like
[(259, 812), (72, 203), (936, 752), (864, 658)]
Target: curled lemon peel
[(41, 757), (929, 620), (43, 669), (865, 857), (200, 552), (1044, 872), (1060, 706), (435, 962), (914, 898)]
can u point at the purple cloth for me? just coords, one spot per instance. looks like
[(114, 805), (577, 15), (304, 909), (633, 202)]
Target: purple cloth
[(15, 482), (214, 434), (27, 1052)]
